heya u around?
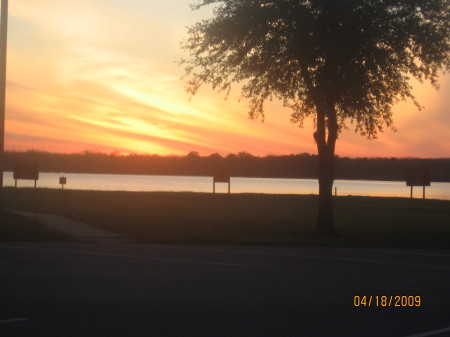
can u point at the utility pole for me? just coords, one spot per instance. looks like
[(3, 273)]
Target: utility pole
[(3, 44)]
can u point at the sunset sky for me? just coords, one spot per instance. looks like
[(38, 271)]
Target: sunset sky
[(100, 75)]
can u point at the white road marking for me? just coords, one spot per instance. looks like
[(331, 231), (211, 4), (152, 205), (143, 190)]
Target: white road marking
[(335, 258), (431, 333), (317, 257), (149, 258), (13, 320), (414, 253)]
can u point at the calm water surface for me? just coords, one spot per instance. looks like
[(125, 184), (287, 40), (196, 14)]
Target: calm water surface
[(116, 182)]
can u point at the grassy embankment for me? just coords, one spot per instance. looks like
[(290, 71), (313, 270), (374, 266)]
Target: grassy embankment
[(252, 219)]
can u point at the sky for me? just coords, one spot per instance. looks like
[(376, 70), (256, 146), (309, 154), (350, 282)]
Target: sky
[(101, 75)]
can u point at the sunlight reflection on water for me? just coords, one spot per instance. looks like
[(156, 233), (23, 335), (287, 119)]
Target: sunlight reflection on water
[(116, 182)]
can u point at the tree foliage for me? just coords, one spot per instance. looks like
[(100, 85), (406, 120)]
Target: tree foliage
[(347, 60)]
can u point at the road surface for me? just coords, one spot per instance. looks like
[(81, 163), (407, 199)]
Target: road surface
[(75, 289)]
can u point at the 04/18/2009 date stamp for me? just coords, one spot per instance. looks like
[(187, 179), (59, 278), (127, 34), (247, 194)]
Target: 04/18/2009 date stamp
[(387, 301)]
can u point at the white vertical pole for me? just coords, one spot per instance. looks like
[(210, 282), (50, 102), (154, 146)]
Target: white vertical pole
[(3, 44)]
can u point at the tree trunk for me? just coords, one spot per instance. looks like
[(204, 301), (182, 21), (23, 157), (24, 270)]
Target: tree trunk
[(326, 121), (325, 224)]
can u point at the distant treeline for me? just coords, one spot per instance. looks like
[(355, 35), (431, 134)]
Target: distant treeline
[(242, 164)]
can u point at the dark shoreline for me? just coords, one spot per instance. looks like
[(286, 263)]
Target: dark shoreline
[(301, 166)]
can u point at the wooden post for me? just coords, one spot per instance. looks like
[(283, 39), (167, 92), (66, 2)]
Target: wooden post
[(411, 192), (3, 44), (423, 191)]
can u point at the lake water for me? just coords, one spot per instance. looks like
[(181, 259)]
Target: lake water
[(116, 182)]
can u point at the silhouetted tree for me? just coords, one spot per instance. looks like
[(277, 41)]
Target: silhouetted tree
[(336, 61)]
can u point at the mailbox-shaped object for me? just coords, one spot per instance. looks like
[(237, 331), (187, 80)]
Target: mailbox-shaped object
[(62, 181)]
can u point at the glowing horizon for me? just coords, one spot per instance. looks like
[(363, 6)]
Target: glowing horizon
[(101, 75)]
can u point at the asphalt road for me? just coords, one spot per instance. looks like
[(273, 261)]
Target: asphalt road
[(151, 290)]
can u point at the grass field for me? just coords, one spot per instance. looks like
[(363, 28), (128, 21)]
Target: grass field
[(246, 219)]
